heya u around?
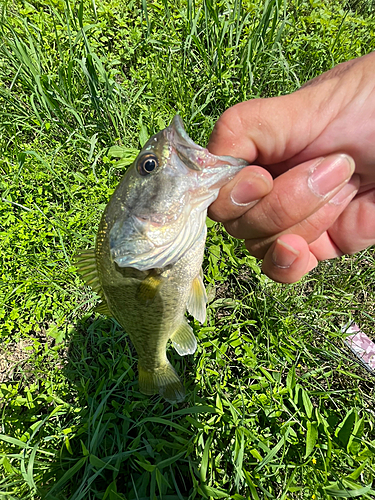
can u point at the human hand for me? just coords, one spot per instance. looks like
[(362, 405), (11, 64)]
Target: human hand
[(319, 146)]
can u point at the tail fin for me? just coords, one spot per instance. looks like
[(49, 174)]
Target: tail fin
[(163, 380)]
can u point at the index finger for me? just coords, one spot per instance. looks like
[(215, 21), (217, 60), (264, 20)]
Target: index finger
[(241, 193), (296, 195)]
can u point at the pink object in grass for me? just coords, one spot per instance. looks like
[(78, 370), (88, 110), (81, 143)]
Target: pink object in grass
[(361, 345)]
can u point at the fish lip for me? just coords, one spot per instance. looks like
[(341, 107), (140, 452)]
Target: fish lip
[(178, 132), (191, 154)]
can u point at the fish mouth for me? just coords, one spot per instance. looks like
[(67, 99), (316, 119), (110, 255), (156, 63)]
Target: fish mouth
[(180, 135), (209, 167), (191, 154)]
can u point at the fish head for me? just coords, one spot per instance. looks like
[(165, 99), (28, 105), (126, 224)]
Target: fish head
[(159, 209)]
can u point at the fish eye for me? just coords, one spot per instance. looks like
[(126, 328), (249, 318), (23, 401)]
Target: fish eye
[(147, 163)]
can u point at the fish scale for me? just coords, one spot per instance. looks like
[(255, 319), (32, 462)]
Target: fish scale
[(149, 249)]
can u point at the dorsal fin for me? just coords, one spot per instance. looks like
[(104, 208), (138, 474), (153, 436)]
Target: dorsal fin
[(86, 264)]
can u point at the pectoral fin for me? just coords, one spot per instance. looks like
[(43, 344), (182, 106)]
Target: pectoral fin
[(183, 339), (149, 287), (198, 299)]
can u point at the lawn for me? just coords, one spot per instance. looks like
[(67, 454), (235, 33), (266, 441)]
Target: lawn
[(277, 407)]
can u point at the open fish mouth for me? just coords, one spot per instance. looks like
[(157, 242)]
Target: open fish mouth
[(191, 154), (179, 136), (209, 167)]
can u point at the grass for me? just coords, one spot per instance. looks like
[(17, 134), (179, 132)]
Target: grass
[(276, 406)]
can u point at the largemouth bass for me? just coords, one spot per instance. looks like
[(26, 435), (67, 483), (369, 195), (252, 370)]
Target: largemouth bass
[(147, 260)]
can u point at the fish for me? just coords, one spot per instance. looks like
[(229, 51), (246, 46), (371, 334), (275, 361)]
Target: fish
[(147, 261)]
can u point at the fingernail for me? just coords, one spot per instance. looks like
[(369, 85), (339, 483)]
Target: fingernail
[(330, 173), (347, 192), (246, 191), (284, 255)]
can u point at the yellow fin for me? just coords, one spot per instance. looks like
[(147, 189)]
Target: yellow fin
[(183, 339), (86, 264), (149, 287), (198, 299), (163, 380)]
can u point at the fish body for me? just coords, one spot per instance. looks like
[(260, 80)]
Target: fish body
[(147, 260)]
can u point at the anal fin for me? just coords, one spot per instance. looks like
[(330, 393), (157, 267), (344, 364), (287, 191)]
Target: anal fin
[(163, 380), (198, 299), (183, 339)]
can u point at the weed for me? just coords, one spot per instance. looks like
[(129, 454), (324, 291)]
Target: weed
[(275, 407)]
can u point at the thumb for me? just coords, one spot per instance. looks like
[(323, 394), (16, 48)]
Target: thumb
[(276, 130)]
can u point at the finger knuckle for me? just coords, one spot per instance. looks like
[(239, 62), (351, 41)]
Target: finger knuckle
[(282, 212)]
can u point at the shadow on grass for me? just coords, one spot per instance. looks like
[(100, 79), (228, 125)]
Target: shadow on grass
[(118, 442)]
